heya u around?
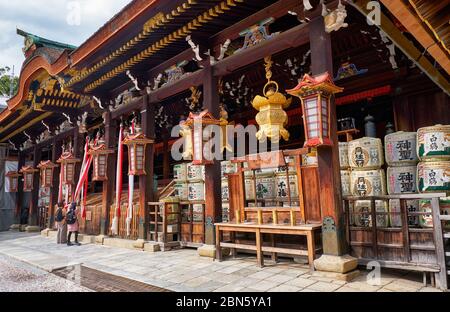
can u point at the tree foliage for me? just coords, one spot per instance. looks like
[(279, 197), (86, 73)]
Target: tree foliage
[(5, 82)]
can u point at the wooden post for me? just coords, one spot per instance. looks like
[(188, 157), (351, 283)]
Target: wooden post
[(166, 155), (19, 196), (213, 207), (33, 212), (334, 242), (108, 186), (78, 152), (146, 188), (56, 153)]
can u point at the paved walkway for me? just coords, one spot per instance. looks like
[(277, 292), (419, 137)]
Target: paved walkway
[(184, 270)]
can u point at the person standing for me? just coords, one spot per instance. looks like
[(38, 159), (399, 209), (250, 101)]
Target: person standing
[(61, 225), (72, 224)]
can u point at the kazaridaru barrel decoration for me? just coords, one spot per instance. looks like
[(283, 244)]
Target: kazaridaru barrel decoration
[(365, 154), (401, 180), (433, 143), (368, 183), (433, 177), (400, 148)]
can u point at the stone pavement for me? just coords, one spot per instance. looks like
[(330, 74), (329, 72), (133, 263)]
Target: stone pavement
[(184, 270)]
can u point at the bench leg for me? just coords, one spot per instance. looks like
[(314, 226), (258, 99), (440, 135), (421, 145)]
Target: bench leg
[(233, 240), (273, 243), (259, 254), (311, 249), (218, 241)]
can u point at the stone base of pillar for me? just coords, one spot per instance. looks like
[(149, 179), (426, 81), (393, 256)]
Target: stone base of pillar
[(33, 229), (336, 264), (14, 227), (100, 239), (46, 232), (23, 227), (210, 251), (152, 247), (346, 277), (139, 244)]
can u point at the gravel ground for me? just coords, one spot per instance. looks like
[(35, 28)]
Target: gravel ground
[(16, 276)]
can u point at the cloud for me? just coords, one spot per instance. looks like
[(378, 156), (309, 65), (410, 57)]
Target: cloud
[(56, 20)]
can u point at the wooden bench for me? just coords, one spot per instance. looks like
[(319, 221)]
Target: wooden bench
[(307, 230)]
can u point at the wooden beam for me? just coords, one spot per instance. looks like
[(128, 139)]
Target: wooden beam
[(406, 46), (33, 211), (291, 38)]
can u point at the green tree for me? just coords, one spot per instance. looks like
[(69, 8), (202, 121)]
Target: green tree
[(5, 82)]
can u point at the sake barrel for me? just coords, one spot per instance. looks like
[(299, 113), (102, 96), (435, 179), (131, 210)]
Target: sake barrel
[(196, 191), (362, 213), (401, 180), (400, 148), (310, 159), (173, 205), (181, 190), (426, 221), (433, 143), (249, 189), (281, 184), (343, 155), (395, 217), (180, 172), (195, 172), (226, 212), (433, 177), (197, 212), (368, 182), (225, 190), (265, 185), (345, 183), (290, 161), (228, 167), (365, 154)]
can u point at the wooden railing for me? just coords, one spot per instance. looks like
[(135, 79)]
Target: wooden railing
[(91, 225), (402, 246), (134, 228)]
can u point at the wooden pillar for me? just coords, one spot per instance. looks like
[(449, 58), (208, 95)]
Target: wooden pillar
[(33, 210), (334, 241), (213, 207), (56, 153), (166, 156), (108, 186), (146, 188), (19, 197), (78, 152)]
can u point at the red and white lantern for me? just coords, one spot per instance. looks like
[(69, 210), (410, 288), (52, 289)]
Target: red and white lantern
[(13, 178), (68, 162), (316, 94), (197, 124), (137, 144), (28, 177), (100, 154), (47, 169)]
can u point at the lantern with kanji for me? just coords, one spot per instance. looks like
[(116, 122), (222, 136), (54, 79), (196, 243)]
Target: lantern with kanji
[(13, 179), (47, 169), (201, 155), (137, 144), (316, 94), (28, 177), (68, 163), (100, 154)]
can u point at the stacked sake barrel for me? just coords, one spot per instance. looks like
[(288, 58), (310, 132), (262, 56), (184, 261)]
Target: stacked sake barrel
[(366, 157), (433, 171), (401, 157), (226, 167), (181, 182), (281, 182)]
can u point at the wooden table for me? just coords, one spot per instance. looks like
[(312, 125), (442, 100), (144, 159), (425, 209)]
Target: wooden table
[(307, 230)]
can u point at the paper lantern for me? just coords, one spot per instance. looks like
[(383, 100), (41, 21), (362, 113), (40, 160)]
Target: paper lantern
[(47, 169), (28, 177), (137, 144), (100, 154), (315, 94), (197, 123), (68, 162), (13, 177)]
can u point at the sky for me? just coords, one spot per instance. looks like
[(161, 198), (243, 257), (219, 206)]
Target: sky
[(65, 21)]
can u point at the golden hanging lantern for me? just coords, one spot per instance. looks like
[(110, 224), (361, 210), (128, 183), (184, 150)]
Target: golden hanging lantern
[(271, 118)]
